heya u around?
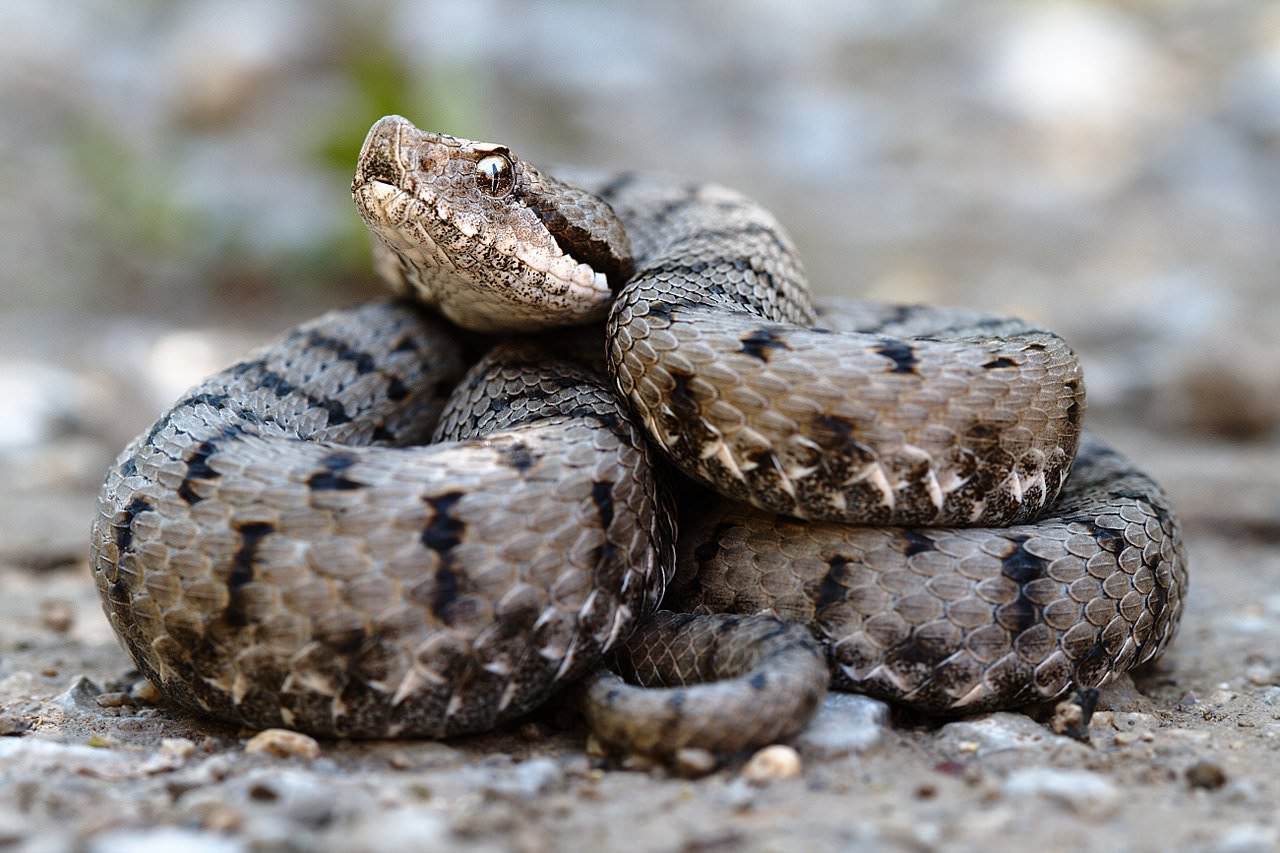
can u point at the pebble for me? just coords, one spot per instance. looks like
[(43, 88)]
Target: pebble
[(1082, 791), (283, 743), (534, 777), (81, 695), (11, 725), (845, 723), (144, 692), (113, 700), (778, 761), (1001, 732), (1206, 774), (1068, 718), (693, 763), (173, 753)]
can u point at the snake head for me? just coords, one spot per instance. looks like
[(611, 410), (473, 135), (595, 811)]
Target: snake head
[(488, 239)]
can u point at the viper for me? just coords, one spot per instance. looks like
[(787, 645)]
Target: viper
[(361, 530)]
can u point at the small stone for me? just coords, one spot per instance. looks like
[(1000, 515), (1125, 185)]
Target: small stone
[(693, 763), (11, 726), (177, 747), (778, 761), (1071, 716), (639, 762), (1081, 791), (1068, 717), (1207, 775), (145, 693), (283, 743), (173, 753), (57, 615), (82, 695), (113, 700), (1002, 732), (534, 777), (845, 723)]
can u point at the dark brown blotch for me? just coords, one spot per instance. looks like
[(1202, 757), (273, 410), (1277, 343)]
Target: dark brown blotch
[(442, 534), (761, 342), (123, 526), (332, 477), (242, 568), (683, 405), (901, 353)]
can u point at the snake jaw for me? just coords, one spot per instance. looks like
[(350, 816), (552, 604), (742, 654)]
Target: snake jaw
[(482, 236)]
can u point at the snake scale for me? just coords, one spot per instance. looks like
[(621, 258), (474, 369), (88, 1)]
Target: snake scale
[(362, 531)]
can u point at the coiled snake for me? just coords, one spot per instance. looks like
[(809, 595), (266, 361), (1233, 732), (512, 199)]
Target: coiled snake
[(285, 547)]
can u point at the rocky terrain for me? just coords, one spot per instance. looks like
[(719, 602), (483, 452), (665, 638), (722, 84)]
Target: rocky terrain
[(176, 193)]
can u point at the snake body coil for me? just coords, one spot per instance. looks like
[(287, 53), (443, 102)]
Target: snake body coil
[(282, 548)]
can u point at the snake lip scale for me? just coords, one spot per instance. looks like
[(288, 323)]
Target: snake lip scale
[(357, 531)]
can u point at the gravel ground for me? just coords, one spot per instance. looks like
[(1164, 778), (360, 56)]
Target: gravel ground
[(1184, 757), (174, 192)]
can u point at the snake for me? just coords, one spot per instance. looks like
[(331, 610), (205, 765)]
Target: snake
[(602, 421)]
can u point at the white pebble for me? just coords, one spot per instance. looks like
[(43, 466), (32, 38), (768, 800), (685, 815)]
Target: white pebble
[(778, 761), (284, 744)]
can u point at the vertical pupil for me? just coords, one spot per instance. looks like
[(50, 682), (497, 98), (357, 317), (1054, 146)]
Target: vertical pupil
[(493, 175)]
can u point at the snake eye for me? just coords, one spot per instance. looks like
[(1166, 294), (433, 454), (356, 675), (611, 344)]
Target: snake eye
[(495, 176)]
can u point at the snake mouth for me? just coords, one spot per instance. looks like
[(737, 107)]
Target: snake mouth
[(378, 202)]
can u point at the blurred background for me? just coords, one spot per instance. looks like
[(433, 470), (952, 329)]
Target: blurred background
[(176, 183)]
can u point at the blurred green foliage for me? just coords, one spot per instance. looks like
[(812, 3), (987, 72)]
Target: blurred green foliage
[(382, 83), (131, 196)]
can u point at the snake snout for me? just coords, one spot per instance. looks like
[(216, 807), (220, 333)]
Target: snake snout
[(380, 155)]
